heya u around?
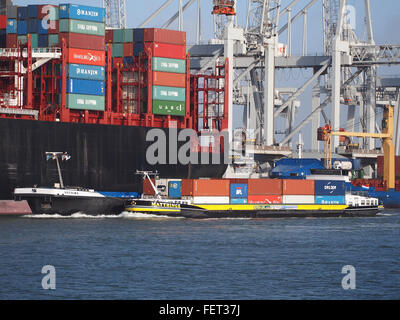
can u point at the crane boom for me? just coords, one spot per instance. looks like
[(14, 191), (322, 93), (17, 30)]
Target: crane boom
[(325, 134)]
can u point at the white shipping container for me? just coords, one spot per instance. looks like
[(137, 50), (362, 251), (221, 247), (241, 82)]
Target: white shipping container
[(211, 200), (162, 187), (298, 199)]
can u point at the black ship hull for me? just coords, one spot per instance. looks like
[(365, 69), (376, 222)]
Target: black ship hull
[(104, 157)]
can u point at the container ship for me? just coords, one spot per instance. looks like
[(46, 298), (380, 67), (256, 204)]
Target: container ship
[(69, 84)]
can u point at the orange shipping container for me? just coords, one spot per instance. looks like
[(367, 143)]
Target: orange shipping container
[(169, 79), (164, 36), (298, 187), (85, 56), (147, 188), (204, 188), (128, 49), (264, 199), (265, 187)]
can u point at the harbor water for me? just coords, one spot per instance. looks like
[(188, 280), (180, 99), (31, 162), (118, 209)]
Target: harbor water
[(133, 256)]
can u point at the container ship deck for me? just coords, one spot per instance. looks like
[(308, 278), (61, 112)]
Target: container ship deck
[(75, 86)]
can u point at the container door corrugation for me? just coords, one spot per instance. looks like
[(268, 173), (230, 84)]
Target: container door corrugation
[(85, 102), (86, 13)]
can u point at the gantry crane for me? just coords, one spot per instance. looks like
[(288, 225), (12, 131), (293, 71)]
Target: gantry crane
[(325, 134), (226, 7)]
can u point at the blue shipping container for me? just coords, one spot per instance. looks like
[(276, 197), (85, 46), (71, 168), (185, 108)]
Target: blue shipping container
[(86, 13), (138, 35), (90, 87), (330, 188), (32, 26), (43, 41), (22, 13), (11, 26), (330, 199), (22, 27), (138, 47), (174, 189), (45, 29), (238, 201), (33, 11), (86, 72), (238, 190)]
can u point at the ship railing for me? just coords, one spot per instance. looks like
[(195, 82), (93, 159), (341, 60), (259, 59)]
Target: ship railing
[(36, 52)]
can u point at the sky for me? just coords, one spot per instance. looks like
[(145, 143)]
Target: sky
[(385, 17)]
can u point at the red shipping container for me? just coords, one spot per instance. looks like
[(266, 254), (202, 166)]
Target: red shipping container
[(169, 79), (204, 188), (11, 40), (165, 36), (3, 22), (298, 187), (83, 41), (264, 199), (265, 187), (239, 181), (147, 188), (128, 49), (165, 50), (109, 36), (54, 27), (86, 56)]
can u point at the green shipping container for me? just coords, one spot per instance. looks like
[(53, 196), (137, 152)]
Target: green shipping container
[(84, 27), (169, 93), (169, 65), (85, 102), (172, 108), (53, 39), (117, 50), (22, 39), (34, 40), (122, 35)]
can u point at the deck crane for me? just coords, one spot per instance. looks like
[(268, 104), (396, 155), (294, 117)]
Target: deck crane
[(325, 134)]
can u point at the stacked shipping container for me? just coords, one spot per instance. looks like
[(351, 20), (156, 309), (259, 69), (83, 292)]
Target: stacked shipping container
[(168, 49), (38, 21), (257, 191), (83, 30)]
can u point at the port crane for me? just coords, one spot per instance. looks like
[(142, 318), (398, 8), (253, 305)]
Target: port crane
[(325, 134)]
